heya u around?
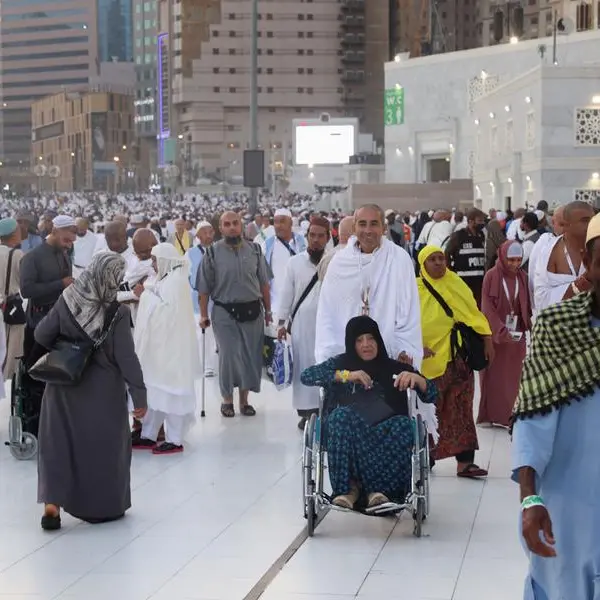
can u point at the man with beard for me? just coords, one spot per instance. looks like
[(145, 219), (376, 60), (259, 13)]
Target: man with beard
[(298, 305), (234, 274)]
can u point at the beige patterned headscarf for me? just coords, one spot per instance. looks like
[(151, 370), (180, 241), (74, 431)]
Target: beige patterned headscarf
[(89, 297)]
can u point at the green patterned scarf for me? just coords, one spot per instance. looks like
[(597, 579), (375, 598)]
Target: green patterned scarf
[(564, 361)]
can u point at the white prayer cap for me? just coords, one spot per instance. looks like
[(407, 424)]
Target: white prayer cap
[(63, 222), (283, 212), (203, 224), (389, 212), (515, 250), (501, 216)]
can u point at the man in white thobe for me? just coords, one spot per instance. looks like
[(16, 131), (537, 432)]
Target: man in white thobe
[(278, 251), (84, 246), (345, 231), (298, 305), (205, 234), (167, 347), (370, 276)]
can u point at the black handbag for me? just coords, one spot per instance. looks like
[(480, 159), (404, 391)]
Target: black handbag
[(370, 405), (12, 307), (465, 342), (66, 362)]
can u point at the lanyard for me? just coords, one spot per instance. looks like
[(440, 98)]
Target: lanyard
[(569, 261), (513, 303), (364, 289)]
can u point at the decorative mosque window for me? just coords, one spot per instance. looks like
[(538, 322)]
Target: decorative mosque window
[(530, 131), (480, 86), (589, 195), (509, 139), (587, 127)]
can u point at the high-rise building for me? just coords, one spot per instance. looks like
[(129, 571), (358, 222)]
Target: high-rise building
[(115, 30), (313, 57), (145, 30), (85, 140), (44, 45)]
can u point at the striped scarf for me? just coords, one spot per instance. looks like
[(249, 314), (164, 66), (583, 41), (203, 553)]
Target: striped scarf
[(564, 362)]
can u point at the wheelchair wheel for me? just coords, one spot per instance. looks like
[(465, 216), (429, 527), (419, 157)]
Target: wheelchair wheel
[(309, 475), (26, 449), (419, 517), (423, 462)]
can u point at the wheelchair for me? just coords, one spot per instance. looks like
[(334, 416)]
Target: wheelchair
[(25, 402), (317, 503)]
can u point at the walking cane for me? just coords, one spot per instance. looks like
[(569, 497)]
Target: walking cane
[(203, 411)]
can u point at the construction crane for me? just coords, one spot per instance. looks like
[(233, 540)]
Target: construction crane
[(428, 35)]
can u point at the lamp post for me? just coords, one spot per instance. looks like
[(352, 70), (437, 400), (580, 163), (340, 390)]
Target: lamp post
[(116, 177)]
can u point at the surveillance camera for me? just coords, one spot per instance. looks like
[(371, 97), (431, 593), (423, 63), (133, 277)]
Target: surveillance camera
[(324, 118), (565, 26)]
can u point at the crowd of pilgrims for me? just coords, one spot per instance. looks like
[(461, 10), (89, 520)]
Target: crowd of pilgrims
[(369, 304)]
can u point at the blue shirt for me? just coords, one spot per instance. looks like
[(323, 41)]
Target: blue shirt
[(32, 241), (195, 254)]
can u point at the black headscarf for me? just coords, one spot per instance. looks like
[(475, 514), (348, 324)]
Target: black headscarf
[(382, 368)]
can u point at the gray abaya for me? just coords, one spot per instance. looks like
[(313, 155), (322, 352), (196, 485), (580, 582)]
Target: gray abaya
[(84, 435)]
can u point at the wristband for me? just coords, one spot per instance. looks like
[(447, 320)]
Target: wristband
[(531, 501), (344, 376)]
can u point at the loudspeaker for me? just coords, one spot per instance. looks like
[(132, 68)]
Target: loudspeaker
[(254, 168)]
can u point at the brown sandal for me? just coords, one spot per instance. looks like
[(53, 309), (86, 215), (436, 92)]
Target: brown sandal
[(472, 471)]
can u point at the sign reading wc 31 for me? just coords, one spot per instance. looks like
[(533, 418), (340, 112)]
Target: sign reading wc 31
[(393, 106)]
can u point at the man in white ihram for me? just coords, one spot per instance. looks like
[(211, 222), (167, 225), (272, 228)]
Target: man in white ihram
[(278, 251), (298, 305), (167, 347), (371, 275)]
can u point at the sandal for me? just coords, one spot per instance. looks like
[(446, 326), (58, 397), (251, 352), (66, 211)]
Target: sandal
[(227, 410), (472, 471), (247, 410)]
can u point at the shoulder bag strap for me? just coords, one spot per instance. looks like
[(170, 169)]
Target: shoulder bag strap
[(439, 298), (179, 242), (288, 247), (8, 273), (111, 318), (305, 293)]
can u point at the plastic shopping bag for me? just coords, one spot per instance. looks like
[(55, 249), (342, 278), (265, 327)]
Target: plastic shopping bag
[(283, 365)]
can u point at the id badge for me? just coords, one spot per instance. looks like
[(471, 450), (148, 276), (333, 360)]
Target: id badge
[(511, 323)]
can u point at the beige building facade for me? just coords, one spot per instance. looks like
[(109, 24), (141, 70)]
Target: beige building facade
[(313, 58), (85, 141)]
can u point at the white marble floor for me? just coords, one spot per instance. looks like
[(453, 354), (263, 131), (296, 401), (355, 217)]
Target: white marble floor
[(207, 524)]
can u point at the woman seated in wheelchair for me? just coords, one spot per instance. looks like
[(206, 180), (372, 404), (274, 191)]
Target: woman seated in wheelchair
[(369, 433)]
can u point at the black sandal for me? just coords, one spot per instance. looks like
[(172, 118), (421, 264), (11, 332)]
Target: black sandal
[(51, 522), (248, 410), (227, 410)]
